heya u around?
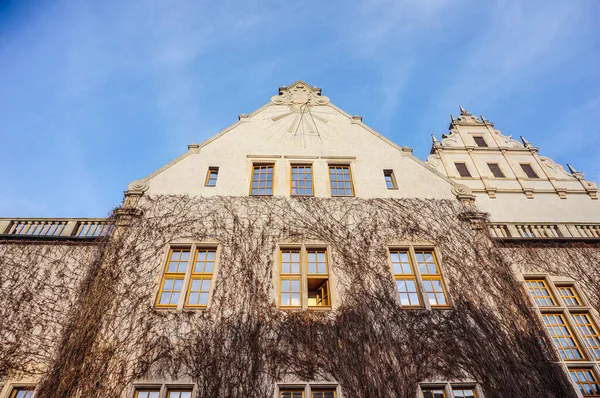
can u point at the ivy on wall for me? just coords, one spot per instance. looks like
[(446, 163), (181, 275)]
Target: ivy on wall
[(111, 335)]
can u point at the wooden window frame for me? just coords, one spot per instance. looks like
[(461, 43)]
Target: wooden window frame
[(420, 278), (259, 165), (593, 349), (571, 335), (390, 173), (345, 166), (448, 388), (502, 175), (578, 383), (169, 390), (475, 137), (537, 176), (138, 389), (188, 276), (291, 390), (304, 276), (563, 297), (208, 179), (546, 286), (19, 387), (470, 175), (312, 179), (322, 390)]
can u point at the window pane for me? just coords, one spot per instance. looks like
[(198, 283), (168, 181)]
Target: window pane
[(562, 338), (540, 293), (340, 181)]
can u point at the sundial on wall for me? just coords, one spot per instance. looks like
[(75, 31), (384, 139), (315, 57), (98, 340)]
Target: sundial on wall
[(302, 122)]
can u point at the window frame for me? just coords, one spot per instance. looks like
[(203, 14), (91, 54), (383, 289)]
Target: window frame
[(307, 389), (535, 173), (392, 175), (138, 389), (347, 166), (419, 278), (17, 387), (579, 382), (256, 165), (572, 335), (312, 180), (448, 388), (482, 137), (209, 172), (304, 275), (502, 174), (188, 276), (470, 175)]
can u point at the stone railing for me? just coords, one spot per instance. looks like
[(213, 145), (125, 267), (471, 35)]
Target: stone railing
[(54, 228), (544, 231)]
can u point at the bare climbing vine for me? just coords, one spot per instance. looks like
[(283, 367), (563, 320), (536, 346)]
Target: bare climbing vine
[(106, 334)]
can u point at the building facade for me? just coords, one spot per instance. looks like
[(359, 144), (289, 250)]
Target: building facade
[(299, 253)]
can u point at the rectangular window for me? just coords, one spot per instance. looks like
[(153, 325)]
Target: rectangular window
[(406, 281), (323, 393), (202, 272), (290, 277), (433, 393), (390, 179), (340, 179), (302, 180), (22, 392), (586, 381), (433, 285), (179, 393), (172, 283), (480, 141), (460, 392), (178, 267), (562, 337), (496, 170), (317, 278), (589, 333), (211, 176), (291, 393), (304, 274), (569, 296), (262, 179), (147, 392), (528, 170), (540, 293), (462, 169)]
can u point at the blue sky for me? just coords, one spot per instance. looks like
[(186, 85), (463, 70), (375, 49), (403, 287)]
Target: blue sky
[(96, 94)]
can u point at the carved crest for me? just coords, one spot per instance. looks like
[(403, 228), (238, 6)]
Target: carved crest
[(299, 95)]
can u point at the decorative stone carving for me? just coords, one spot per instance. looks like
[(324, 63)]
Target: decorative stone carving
[(450, 139), (461, 190), (554, 167), (138, 186), (433, 161), (299, 95), (466, 118), (506, 140)]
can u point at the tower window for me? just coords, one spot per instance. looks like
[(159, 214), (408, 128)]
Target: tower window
[(390, 179), (496, 170), (462, 169), (480, 141), (528, 170)]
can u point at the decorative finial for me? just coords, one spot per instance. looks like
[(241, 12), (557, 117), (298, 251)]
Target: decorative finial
[(576, 174), (435, 140), (463, 111), (526, 143)]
